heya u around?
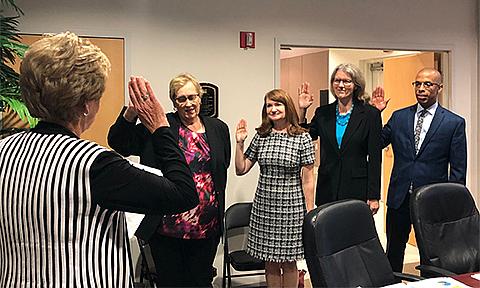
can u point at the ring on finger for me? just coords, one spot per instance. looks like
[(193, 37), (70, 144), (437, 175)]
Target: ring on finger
[(145, 96)]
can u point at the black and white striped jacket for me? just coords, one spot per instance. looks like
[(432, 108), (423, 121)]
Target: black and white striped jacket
[(61, 203)]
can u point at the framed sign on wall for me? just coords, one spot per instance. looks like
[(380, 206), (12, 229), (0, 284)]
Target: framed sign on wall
[(209, 105)]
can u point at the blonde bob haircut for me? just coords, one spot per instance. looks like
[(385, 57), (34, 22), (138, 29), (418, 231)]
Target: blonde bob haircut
[(59, 74), (181, 80), (291, 115), (357, 78)]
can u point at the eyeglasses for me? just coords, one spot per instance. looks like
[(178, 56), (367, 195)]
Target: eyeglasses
[(346, 82), (182, 99), (426, 84)]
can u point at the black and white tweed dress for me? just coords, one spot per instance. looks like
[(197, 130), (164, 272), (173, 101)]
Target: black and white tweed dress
[(279, 204)]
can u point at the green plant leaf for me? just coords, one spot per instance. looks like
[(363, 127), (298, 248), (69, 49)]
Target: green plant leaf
[(21, 110), (10, 40), (10, 49), (11, 3), (17, 47)]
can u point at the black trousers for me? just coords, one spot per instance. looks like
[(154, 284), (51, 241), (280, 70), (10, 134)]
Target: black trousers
[(398, 229), (184, 262)]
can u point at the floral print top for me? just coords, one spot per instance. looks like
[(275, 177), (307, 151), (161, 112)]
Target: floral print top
[(202, 221)]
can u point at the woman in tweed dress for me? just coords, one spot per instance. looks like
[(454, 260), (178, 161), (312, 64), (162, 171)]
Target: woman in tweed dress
[(284, 151)]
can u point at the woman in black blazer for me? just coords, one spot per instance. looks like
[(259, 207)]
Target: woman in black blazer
[(186, 243), (349, 131)]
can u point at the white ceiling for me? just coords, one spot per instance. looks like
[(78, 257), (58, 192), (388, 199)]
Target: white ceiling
[(363, 54)]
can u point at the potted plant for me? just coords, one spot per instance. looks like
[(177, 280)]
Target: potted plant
[(10, 49)]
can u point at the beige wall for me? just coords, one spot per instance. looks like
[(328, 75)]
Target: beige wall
[(476, 136)]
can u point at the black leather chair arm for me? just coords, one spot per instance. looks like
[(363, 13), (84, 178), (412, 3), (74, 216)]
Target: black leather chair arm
[(435, 271), (407, 277)]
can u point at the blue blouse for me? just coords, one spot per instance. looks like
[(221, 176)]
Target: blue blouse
[(341, 124)]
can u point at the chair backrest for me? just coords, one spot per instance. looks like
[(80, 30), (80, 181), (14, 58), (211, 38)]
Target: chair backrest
[(342, 248), (446, 224), (238, 215), (237, 220)]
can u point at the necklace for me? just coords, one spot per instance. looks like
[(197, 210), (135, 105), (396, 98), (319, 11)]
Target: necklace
[(342, 119)]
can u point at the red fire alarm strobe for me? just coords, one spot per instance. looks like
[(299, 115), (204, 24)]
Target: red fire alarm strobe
[(247, 39)]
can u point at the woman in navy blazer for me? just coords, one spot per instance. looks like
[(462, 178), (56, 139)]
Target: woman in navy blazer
[(349, 130), (186, 243)]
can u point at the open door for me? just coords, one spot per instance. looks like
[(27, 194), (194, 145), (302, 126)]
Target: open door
[(313, 68), (398, 75)]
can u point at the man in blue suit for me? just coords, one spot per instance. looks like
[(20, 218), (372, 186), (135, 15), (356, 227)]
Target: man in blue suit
[(429, 146)]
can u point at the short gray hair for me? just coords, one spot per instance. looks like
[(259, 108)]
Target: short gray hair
[(357, 78)]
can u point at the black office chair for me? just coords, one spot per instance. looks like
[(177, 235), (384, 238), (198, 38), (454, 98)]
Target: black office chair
[(237, 218), (342, 248), (446, 224)]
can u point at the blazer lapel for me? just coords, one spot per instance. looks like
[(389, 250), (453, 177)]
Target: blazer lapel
[(214, 150), (330, 129), (358, 115), (436, 121), (175, 124), (411, 132)]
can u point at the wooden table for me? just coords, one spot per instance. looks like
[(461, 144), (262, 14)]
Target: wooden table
[(467, 279)]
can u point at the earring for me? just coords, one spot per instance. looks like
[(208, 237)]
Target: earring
[(85, 114)]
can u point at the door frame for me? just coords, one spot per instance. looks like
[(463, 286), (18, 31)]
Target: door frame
[(329, 43)]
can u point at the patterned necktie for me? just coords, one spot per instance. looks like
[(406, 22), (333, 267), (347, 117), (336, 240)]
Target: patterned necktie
[(418, 128)]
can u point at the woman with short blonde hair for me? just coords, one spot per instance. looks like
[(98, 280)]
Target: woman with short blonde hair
[(185, 243), (62, 219)]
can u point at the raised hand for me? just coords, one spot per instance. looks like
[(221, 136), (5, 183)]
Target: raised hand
[(378, 99), (130, 113), (150, 112), (241, 132), (374, 205), (305, 99)]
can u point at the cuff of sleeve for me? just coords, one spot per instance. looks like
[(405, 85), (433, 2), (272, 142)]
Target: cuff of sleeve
[(162, 131), (125, 122), (121, 119)]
